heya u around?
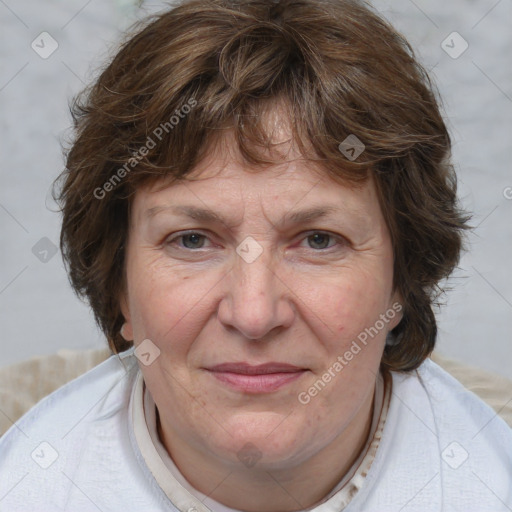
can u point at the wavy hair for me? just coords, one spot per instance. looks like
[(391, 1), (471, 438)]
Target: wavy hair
[(183, 76)]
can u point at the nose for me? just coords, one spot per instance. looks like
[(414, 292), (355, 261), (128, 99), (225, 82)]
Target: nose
[(257, 300)]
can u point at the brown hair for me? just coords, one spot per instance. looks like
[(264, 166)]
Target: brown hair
[(207, 65)]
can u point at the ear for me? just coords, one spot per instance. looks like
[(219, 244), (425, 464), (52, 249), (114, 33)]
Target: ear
[(127, 328), (396, 305)]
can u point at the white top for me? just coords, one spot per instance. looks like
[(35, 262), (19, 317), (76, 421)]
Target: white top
[(442, 449)]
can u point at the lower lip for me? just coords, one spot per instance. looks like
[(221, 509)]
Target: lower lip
[(262, 383)]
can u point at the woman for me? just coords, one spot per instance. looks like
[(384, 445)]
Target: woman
[(259, 206)]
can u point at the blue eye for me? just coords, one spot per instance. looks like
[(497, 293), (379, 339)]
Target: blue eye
[(194, 239)]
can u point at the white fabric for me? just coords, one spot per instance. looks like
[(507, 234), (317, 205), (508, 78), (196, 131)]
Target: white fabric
[(442, 449), (179, 490)]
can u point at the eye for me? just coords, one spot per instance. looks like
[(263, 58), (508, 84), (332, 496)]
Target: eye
[(192, 240), (320, 240), (317, 240)]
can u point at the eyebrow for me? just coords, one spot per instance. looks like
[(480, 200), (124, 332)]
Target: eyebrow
[(206, 215)]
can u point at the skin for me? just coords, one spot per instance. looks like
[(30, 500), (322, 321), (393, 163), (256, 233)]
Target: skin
[(302, 301)]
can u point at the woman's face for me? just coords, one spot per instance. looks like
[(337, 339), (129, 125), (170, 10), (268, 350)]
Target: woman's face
[(308, 295)]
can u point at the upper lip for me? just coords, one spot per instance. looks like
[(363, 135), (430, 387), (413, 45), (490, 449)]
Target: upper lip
[(248, 369)]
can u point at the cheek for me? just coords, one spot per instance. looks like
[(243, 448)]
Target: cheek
[(352, 304), (168, 303), (351, 351), (349, 311)]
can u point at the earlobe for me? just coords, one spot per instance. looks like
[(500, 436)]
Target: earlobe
[(126, 329), (396, 314), (397, 308)]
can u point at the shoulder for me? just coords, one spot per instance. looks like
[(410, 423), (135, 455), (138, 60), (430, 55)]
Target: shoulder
[(108, 380), (83, 421), (459, 409), (456, 414), (442, 448), (470, 445)]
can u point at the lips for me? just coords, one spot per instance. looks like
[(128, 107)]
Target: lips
[(262, 378), (260, 369)]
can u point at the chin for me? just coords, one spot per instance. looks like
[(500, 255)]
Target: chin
[(260, 442)]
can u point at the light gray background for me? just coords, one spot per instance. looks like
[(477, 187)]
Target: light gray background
[(39, 313)]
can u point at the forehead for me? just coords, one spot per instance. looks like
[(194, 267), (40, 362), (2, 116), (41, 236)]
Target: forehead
[(286, 199), (225, 183)]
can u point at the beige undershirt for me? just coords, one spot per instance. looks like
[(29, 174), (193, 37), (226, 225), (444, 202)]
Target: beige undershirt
[(188, 499)]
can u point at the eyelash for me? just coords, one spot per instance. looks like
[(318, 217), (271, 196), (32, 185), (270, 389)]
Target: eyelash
[(341, 241)]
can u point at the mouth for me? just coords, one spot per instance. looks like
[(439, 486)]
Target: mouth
[(263, 378)]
